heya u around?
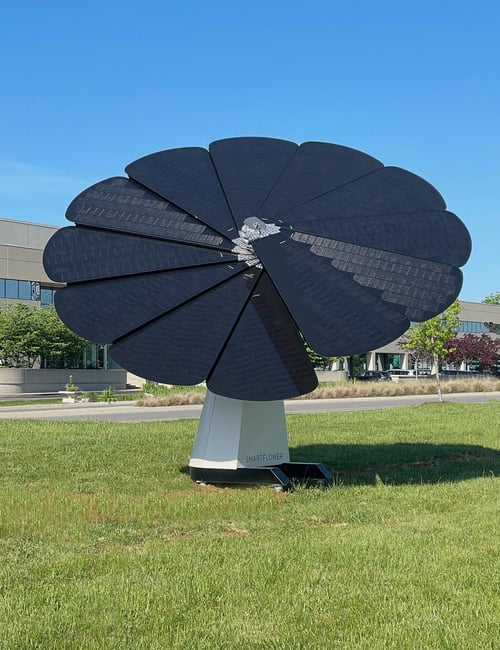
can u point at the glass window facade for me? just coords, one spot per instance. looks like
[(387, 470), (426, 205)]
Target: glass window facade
[(472, 327), (20, 289)]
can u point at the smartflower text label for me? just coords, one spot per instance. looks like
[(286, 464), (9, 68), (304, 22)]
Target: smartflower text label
[(264, 458)]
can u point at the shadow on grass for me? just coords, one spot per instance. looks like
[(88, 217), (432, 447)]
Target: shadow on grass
[(401, 463)]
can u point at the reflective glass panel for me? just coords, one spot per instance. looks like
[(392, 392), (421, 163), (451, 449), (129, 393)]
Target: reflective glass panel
[(11, 289), (47, 297), (24, 290)]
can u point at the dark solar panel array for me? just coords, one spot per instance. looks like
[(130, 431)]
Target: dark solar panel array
[(212, 264)]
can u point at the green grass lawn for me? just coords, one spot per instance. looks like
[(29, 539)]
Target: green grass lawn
[(105, 542)]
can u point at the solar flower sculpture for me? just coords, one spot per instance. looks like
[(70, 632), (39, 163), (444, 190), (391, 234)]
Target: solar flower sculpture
[(214, 265)]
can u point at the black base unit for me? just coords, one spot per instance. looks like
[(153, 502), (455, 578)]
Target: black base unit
[(283, 476)]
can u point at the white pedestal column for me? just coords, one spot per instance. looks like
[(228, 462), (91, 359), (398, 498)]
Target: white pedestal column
[(235, 434)]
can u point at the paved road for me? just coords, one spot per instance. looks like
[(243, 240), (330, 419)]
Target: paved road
[(129, 412)]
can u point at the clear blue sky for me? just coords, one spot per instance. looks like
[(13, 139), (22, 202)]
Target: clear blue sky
[(87, 87)]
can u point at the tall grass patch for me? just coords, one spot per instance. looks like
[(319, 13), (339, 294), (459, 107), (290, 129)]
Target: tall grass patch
[(409, 386), (160, 395), (106, 543)]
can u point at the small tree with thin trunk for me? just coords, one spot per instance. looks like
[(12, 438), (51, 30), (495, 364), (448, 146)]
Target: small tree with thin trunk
[(428, 340)]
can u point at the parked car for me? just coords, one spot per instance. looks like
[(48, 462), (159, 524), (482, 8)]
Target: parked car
[(374, 375), (397, 374)]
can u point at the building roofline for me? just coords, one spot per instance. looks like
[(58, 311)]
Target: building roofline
[(30, 223)]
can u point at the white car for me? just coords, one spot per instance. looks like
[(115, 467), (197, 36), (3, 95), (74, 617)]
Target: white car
[(397, 374)]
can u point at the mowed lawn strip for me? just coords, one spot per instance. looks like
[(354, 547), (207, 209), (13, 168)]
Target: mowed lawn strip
[(106, 543)]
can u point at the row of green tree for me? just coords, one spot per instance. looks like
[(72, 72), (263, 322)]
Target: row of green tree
[(31, 337)]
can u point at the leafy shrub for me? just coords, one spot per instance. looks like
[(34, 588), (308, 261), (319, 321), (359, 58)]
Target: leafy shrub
[(90, 396), (162, 395), (108, 395), (70, 386)]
